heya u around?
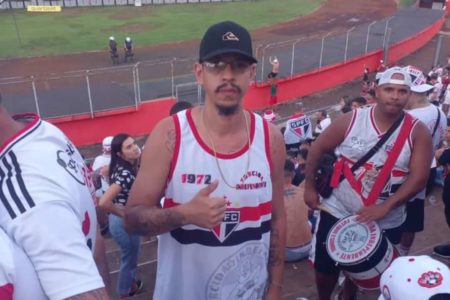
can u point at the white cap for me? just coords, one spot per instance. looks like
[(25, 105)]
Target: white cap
[(386, 77), (269, 115), (414, 278), (127, 39), (106, 144), (419, 82), (111, 38)]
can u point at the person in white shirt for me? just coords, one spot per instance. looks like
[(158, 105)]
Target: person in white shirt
[(298, 129), (323, 121), (436, 122), (18, 279), (47, 207), (101, 170)]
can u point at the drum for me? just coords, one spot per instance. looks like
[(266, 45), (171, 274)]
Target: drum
[(361, 251)]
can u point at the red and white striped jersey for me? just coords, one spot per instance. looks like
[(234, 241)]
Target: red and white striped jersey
[(229, 261), (361, 136)]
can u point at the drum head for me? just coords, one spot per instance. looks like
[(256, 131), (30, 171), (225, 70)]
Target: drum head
[(350, 242)]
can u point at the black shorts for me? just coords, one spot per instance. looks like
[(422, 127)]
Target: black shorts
[(414, 216), (322, 261), (272, 75)]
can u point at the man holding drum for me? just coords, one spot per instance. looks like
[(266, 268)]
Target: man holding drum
[(378, 189)]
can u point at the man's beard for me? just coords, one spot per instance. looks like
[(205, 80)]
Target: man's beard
[(228, 110)]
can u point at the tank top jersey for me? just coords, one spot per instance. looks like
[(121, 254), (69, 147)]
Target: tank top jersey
[(230, 260), (44, 182), (298, 129), (429, 116), (360, 137), (18, 279)]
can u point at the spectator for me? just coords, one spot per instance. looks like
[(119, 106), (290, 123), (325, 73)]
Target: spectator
[(358, 102), (298, 128), (100, 167), (273, 100), (18, 279), (179, 106), (298, 232), (370, 97), (443, 158), (269, 116), (125, 154), (275, 67), (48, 207), (419, 107), (370, 194), (214, 186), (434, 96), (366, 74), (323, 121)]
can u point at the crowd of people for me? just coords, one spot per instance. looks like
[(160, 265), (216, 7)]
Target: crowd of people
[(229, 195)]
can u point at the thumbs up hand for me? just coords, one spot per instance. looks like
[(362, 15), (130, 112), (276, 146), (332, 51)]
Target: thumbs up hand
[(206, 211)]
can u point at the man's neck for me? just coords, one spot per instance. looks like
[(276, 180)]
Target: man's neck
[(383, 120), (419, 104), (9, 126), (220, 124)]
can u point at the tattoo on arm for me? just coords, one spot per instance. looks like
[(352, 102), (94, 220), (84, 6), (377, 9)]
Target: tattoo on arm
[(170, 140), (274, 257), (98, 294), (289, 192), (155, 220)]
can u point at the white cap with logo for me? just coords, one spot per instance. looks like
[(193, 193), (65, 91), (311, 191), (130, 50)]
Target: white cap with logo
[(419, 82), (386, 77), (414, 278)]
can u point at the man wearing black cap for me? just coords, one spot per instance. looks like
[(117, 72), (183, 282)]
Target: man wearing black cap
[(220, 168)]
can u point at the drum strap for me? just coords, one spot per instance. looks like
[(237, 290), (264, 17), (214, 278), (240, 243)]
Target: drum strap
[(390, 162)]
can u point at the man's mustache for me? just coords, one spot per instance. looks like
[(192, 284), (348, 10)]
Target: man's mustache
[(228, 85)]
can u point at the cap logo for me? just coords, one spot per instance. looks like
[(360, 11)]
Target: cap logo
[(229, 36), (430, 279)]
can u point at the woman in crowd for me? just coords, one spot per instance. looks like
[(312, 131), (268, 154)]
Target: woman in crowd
[(125, 154)]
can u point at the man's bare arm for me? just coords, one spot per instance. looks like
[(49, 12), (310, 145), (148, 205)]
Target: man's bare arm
[(327, 141), (98, 294), (143, 215), (278, 227)]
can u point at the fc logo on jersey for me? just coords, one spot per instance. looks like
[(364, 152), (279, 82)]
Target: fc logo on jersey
[(228, 225), (300, 127)]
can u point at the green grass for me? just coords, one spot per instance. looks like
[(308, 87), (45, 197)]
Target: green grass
[(406, 3), (87, 29)]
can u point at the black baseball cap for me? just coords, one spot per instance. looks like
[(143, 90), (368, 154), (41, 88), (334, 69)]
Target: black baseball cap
[(225, 38)]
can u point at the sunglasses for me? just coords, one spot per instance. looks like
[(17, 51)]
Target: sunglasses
[(217, 67)]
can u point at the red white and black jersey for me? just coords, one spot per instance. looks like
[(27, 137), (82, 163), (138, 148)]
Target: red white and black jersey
[(298, 129), (361, 136), (18, 279), (229, 261), (47, 207)]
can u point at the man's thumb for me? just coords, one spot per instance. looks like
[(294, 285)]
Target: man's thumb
[(209, 188)]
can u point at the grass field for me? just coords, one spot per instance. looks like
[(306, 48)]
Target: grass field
[(87, 29)]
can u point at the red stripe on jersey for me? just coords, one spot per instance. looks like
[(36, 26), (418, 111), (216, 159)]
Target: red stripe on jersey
[(6, 292), (176, 149), (208, 149), (352, 122), (248, 213), (372, 120), (267, 144), (23, 130)]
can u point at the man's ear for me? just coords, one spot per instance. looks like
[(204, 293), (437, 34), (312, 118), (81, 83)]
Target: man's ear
[(198, 72)]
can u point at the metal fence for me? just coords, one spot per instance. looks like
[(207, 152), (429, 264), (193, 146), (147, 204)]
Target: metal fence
[(126, 85), (13, 4)]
